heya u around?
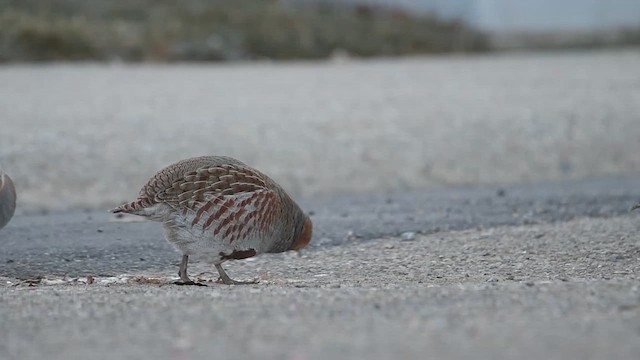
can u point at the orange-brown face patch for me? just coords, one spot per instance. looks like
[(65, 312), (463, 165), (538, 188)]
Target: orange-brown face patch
[(305, 237), (238, 254)]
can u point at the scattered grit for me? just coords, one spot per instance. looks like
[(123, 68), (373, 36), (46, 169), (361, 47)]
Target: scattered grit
[(562, 291)]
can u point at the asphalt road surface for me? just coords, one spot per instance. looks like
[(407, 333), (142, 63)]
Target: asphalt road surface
[(320, 128), (540, 271), (83, 243), (532, 271)]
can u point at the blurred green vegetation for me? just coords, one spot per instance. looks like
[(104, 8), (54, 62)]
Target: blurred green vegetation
[(216, 30)]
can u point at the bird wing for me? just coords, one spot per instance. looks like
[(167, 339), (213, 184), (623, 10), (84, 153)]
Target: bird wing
[(166, 178), (220, 180), (190, 184), (233, 201)]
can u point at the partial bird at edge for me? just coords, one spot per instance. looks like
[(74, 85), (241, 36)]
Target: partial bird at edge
[(7, 199)]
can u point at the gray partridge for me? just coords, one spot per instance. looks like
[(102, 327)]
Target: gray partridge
[(222, 209), (7, 199)]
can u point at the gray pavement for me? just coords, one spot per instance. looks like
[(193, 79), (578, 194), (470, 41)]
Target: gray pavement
[(83, 243), (551, 291), (559, 281), (422, 249), (88, 135)]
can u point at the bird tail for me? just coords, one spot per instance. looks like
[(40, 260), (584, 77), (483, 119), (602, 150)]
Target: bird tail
[(132, 207)]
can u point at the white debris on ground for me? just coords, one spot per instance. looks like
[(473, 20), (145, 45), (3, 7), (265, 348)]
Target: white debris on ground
[(408, 236), (88, 280)]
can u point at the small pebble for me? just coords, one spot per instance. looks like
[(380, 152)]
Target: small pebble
[(408, 236)]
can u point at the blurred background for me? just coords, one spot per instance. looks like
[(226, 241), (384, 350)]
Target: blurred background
[(327, 97)]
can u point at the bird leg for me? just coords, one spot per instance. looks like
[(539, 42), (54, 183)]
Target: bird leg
[(184, 278), (229, 281)]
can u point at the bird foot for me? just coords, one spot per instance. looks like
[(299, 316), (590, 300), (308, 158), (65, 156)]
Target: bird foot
[(188, 282)]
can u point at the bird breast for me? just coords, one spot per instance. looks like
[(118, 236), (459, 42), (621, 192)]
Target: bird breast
[(247, 220), (236, 217)]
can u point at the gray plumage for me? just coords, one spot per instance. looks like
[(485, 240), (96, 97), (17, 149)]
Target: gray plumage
[(7, 199)]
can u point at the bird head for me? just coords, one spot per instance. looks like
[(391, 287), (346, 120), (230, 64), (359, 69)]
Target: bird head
[(305, 235)]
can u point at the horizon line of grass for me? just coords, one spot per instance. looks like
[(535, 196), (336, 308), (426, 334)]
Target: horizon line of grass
[(219, 30)]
